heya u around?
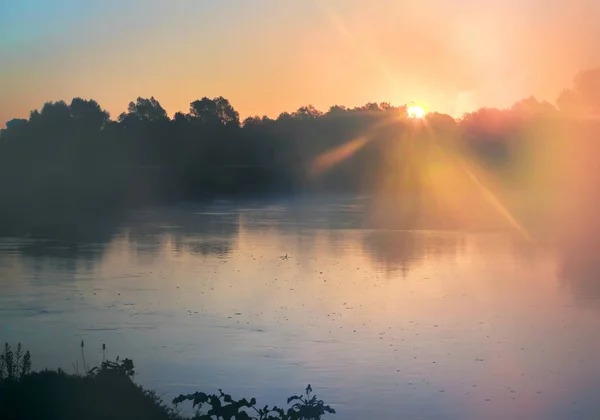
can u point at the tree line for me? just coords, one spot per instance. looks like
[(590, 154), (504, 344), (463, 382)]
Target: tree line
[(69, 158)]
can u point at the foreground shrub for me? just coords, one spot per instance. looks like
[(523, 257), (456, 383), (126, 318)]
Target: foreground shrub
[(104, 393), (108, 392), (223, 406)]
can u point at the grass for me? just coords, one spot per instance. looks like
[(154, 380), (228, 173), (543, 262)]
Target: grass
[(108, 392)]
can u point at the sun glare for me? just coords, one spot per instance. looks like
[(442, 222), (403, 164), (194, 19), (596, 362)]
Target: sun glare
[(415, 111)]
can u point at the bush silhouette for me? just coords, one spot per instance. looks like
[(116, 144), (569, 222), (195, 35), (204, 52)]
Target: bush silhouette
[(224, 407), (108, 392)]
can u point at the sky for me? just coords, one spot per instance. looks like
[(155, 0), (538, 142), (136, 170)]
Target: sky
[(270, 56)]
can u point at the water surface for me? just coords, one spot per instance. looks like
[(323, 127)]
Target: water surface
[(384, 323)]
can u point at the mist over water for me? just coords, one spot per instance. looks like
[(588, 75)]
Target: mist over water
[(441, 324), (401, 263)]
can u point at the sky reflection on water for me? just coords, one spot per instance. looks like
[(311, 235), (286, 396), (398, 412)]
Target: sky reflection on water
[(425, 324)]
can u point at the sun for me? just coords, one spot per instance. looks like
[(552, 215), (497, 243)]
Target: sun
[(415, 111)]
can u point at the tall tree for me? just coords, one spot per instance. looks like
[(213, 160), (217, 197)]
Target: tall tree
[(144, 109), (88, 114), (214, 111), (308, 112)]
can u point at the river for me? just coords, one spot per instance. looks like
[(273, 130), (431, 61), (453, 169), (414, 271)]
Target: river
[(263, 298)]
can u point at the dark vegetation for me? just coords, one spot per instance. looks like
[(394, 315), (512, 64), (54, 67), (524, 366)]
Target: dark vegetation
[(109, 392), (69, 164), (222, 406)]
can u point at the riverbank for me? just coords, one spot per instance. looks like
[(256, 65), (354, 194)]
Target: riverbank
[(110, 392)]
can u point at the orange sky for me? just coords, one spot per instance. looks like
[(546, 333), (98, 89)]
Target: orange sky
[(269, 56)]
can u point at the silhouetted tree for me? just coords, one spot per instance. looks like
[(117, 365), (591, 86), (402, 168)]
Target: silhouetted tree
[(214, 111), (16, 122), (88, 114), (144, 109), (180, 118), (72, 159), (308, 112), (337, 110), (255, 120), (584, 96), (284, 116)]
